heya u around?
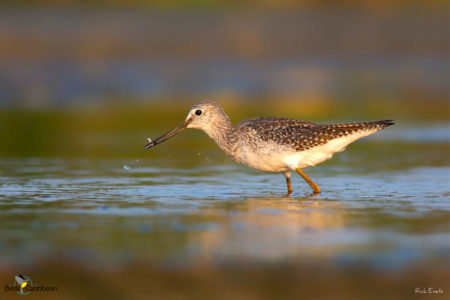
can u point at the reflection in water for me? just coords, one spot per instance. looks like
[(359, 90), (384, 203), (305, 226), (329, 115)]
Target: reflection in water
[(271, 228)]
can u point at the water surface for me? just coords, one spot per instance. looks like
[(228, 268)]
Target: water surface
[(384, 208)]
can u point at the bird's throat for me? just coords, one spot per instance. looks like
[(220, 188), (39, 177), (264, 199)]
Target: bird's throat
[(222, 134)]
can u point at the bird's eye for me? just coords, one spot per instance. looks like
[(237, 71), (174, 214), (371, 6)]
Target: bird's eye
[(198, 112)]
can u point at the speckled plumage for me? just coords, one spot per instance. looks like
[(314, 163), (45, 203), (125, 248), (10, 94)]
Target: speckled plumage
[(274, 144), (301, 135)]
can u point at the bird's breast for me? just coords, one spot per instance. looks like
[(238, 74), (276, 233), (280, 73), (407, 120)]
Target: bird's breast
[(267, 157)]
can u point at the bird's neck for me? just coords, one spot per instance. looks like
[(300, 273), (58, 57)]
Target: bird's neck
[(222, 134)]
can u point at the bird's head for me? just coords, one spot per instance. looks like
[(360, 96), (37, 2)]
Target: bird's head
[(207, 116)]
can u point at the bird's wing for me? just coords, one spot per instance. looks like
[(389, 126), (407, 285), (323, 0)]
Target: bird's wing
[(302, 135), (282, 131)]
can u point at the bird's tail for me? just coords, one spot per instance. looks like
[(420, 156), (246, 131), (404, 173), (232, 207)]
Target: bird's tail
[(372, 125), (383, 123)]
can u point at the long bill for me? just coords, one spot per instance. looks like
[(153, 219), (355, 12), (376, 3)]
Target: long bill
[(167, 135)]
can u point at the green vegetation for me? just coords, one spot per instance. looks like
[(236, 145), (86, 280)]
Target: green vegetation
[(120, 130)]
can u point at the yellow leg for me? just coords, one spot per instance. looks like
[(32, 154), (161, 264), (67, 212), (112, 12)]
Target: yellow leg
[(314, 186), (287, 175)]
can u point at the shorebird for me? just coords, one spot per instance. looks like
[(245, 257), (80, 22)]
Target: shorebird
[(272, 144)]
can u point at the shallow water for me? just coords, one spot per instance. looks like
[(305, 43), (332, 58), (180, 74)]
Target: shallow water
[(384, 205)]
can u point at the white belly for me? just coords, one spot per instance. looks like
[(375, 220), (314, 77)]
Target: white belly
[(269, 158), (316, 155), (273, 158)]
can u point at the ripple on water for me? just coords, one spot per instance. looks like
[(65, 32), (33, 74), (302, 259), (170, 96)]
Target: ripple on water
[(224, 212)]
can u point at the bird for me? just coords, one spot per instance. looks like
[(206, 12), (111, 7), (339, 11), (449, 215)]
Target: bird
[(22, 282), (273, 144)]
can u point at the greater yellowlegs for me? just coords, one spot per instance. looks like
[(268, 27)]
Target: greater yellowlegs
[(271, 144)]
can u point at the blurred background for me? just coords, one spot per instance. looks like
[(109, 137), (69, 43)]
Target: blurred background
[(84, 83), (124, 66)]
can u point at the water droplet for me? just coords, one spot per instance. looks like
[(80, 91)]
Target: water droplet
[(126, 167)]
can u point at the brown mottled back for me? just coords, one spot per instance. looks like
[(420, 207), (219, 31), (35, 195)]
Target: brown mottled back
[(301, 135)]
